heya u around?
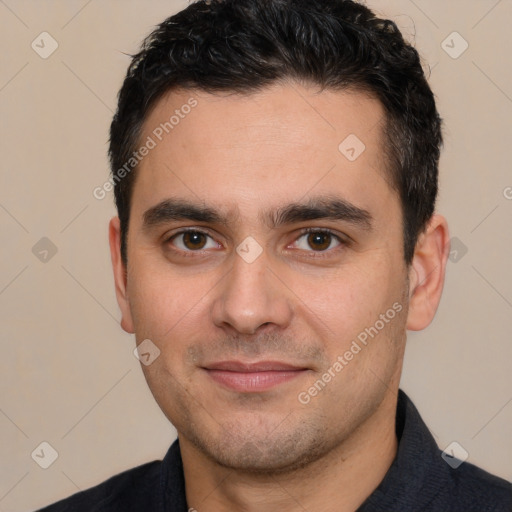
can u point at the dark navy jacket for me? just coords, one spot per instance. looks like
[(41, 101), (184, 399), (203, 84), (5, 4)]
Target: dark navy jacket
[(419, 480)]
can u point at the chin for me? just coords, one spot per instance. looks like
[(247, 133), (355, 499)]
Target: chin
[(268, 453)]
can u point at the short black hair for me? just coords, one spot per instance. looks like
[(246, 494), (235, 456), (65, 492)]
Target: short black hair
[(244, 45)]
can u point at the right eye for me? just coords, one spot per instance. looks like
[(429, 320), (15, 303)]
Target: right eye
[(192, 240)]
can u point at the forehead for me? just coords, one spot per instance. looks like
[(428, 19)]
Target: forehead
[(277, 145)]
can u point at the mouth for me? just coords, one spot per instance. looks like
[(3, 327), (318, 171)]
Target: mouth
[(252, 377)]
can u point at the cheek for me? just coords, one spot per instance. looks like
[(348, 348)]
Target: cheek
[(349, 296), (347, 304), (163, 304)]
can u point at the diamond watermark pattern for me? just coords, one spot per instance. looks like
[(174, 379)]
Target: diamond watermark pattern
[(44, 455), (454, 45), (44, 45), (249, 250), (454, 455), (351, 147), (146, 352), (44, 250), (458, 249)]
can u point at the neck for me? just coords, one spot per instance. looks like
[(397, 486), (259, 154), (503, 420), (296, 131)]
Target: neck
[(340, 481)]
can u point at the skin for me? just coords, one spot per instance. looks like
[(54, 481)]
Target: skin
[(300, 301)]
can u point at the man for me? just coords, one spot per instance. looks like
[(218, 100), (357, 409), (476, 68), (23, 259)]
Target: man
[(275, 167)]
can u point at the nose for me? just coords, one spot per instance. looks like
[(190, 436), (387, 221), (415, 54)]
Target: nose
[(250, 297)]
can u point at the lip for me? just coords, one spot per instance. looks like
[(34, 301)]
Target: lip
[(259, 366), (252, 377)]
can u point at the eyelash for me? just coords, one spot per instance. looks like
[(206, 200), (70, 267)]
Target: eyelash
[(327, 252), (305, 231)]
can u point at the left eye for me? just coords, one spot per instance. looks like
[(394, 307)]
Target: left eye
[(193, 241), (318, 241)]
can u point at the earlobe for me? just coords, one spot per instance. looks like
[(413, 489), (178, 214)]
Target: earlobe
[(427, 273), (120, 275)]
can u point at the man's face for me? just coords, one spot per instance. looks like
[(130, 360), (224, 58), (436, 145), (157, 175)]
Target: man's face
[(248, 309)]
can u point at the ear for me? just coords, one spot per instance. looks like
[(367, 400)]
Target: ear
[(120, 274), (427, 272)]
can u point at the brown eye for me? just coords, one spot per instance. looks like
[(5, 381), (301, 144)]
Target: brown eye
[(193, 241), (319, 241)]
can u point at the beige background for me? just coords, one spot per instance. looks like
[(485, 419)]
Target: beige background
[(68, 375)]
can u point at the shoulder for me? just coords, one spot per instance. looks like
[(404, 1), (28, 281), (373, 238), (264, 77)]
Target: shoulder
[(475, 489), (421, 479), (126, 491)]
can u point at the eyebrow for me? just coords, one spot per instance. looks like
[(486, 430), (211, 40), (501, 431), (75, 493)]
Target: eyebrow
[(330, 208), (179, 209)]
